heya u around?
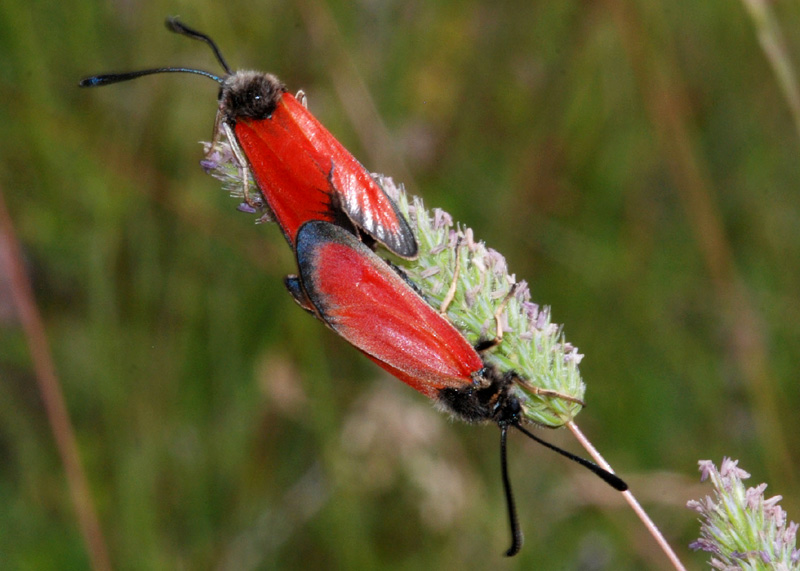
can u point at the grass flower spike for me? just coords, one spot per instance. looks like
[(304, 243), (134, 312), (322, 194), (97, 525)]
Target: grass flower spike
[(549, 385), (741, 528)]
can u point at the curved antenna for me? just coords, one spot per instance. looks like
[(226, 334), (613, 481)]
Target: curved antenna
[(174, 25), (109, 78), (611, 479), (516, 532)]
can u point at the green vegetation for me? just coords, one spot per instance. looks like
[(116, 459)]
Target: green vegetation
[(637, 163)]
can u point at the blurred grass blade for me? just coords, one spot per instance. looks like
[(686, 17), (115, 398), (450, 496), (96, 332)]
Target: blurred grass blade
[(50, 390), (772, 42)]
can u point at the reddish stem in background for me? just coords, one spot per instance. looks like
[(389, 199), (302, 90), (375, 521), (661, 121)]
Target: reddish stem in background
[(50, 390)]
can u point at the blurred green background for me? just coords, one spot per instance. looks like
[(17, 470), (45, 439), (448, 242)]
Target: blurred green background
[(637, 162)]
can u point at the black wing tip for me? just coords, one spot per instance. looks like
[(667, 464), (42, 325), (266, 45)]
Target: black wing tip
[(406, 247), (313, 230), (313, 234), (401, 242)]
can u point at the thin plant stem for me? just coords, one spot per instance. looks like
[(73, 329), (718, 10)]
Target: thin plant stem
[(772, 42), (50, 390), (630, 498)]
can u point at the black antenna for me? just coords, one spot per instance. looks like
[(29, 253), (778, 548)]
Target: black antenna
[(516, 533), (611, 479), (108, 78), (174, 26)]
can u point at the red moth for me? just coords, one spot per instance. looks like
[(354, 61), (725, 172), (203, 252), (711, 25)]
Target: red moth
[(363, 299), (303, 172)]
